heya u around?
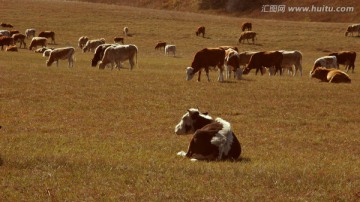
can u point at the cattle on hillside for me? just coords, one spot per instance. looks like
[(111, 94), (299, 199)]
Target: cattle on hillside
[(5, 33), (160, 44), (118, 54), (247, 35), (232, 64), (19, 38), (37, 41), (119, 40), (353, 28), (30, 32), (91, 45), (6, 25), (200, 30), (346, 58), (48, 34), (126, 31), (212, 139), (66, 53), (326, 61), (205, 58), (6, 41), (246, 26), (330, 75), (170, 49), (265, 59), (99, 53), (82, 41), (292, 61)]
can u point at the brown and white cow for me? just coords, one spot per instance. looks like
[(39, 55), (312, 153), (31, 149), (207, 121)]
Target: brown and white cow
[(19, 38), (200, 30), (6, 41), (353, 28), (99, 53), (325, 61), (246, 26), (330, 75), (91, 45), (346, 58), (292, 61), (247, 35), (265, 59), (212, 139), (119, 40), (160, 44), (232, 64), (30, 32), (205, 58), (66, 53), (118, 54), (48, 34), (82, 41), (126, 31), (38, 41)]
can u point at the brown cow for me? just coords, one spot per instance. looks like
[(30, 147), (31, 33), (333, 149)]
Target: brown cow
[(6, 40), (205, 58), (265, 59), (48, 34), (6, 25), (160, 44), (330, 75), (38, 41), (346, 58), (200, 30), (246, 26), (247, 35), (19, 38), (12, 49), (119, 40)]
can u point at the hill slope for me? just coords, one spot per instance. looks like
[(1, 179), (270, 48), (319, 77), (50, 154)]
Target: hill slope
[(318, 10)]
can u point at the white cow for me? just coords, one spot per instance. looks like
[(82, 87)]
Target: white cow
[(61, 54), (91, 45), (292, 61), (4, 33), (353, 28), (82, 41), (30, 32), (326, 61), (126, 31), (170, 49), (118, 54), (232, 63)]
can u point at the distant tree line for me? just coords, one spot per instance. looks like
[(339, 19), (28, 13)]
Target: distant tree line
[(235, 5)]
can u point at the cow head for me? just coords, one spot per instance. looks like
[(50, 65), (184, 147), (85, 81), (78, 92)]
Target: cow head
[(189, 73), (188, 121), (246, 70), (49, 62), (319, 73)]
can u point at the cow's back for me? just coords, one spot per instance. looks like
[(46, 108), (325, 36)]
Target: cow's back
[(337, 76), (209, 57)]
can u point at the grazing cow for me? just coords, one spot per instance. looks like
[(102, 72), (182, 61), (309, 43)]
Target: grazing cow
[(126, 31), (30, 32), (170, 49), (12, 32), (212, 139), (5, 33), (246, 26), (99, 53), (244, 57), (227, 47), (6, 41), (200, 30), (57, 54), (82, 41), (6, 25), (292, 61), (247, 35), (91, 45), (19, 38), (353, 28), (326, 61), (346, 58), (42, 49), (232, 64), (160, 45), (11, 48), (119, 40), (48, 34), (265, 59), (47, 52), (38, 41), (330, 75), (205, 58), (119, 54)]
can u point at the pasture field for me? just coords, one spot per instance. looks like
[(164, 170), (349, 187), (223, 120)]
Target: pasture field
[(82, 134)]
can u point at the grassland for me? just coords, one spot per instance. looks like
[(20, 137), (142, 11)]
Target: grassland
[(81, 134)]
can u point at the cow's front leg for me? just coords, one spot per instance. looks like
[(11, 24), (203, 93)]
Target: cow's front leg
[(221, 76), (207, 73), (199, 74)]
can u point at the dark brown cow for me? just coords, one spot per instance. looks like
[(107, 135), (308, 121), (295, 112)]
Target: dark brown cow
[(246, 26), (265, 59), (6, 41), (200, 30), (330, 75), (160, 44), (48, 34), (6, 25), (119, 40), (346, 58), (19, 38), (247, 35), (205, 58), (212, 140)]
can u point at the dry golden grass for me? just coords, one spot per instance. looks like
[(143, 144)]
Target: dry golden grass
[(82, 134)]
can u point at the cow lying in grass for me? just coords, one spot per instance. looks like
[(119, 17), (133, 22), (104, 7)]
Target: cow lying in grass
[(330, 75), (212, 139)]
